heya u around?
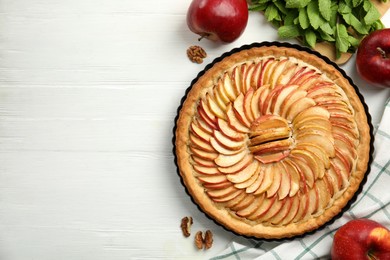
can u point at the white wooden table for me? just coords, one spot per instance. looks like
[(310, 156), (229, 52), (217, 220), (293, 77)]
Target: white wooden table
[(88, 95)]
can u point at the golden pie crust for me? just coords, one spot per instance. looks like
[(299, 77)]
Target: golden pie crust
[(272, 142)]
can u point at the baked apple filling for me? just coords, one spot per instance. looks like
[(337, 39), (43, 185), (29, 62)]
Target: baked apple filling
[(272, 141)]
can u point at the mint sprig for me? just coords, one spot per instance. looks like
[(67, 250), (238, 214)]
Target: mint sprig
[(340, 22)]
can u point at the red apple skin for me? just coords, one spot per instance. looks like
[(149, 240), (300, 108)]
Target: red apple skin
[(361, 239), (373, 64), (218, 20)]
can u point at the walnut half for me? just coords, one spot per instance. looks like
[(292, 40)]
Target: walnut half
[(199, 240), (185, 225), (196, 54), (208, 239), (204, 241)]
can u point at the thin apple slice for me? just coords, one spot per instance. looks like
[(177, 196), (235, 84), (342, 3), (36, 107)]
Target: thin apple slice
[(271, 134), (214, 107), (267, 179), (335, 173), (228, 197), (248, 78), (217, 186), (267, 103), (310, 81), (271, 147), (255, 103), (221, 149), (225, 128), (294, 177), (249, 182), (236, 77), (206, 109), (248, 199), (248, 105), (318, 91), (275, 185), (229, 88), (238, 106), (256, 75), (234, 122), (346, 146), (200, 143), (220, 89), (273, 157), (292, 98), (323, 141), (314, 200), (220, 193), (200, 132), (289, 71), (268, 69), (263, 209), (299, 106), (206, 170), (203, 154), (317, 151), (266, 122), (298, 73), (248, 159), (251, 208), (282, 95), (312, 112), (285, 183), (229, 160), (203, 117), (244, 174), (264, 69), (233, 202), (203, 162), (204, 126), (277, 71), (305, 169), (256, 184), (313, 162), (303, 207), (227, 142), (324, 193), (212, 179), (329, 185), (273, 211), (312, 121), (277, 218), (302, 77), (219, 99), (295, 205)]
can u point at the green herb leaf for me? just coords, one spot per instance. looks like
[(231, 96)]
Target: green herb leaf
[(297, 3), (314, 15), (303, 18), (272, 13), (324, 7), (372, 15), (310, 38), (342, 41), (288, 31), (350, 19)]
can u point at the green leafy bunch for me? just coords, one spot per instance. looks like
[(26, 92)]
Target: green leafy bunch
[(340, 22)]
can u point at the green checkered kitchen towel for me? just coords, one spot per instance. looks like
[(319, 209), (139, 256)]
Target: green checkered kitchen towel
[(373, 202)]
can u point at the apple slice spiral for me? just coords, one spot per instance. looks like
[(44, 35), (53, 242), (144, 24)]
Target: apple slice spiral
[(268, 142), (278, 132)]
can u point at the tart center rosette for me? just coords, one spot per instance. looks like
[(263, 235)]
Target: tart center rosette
[(273, 141)]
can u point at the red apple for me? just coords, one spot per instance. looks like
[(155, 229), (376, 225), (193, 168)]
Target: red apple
[(361, 239), (218, 20), (373, 58)]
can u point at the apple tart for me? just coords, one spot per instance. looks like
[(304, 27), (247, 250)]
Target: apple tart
[(272, 142)]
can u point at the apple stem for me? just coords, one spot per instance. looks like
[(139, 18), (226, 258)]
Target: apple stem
[(382, 52), (204, 35)]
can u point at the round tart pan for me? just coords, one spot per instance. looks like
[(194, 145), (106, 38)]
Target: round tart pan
[(299, 48)]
